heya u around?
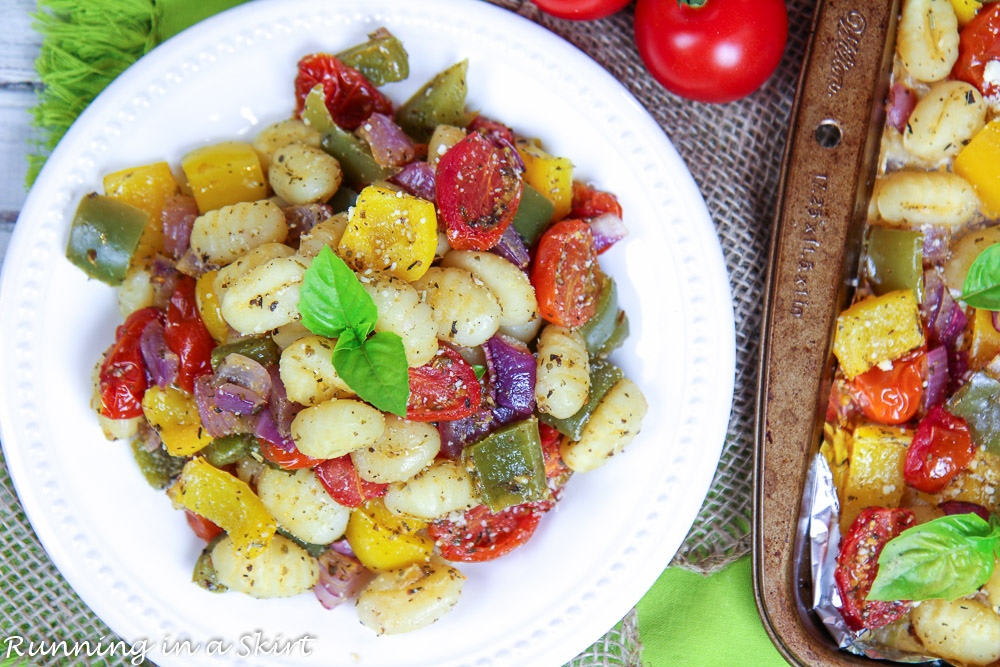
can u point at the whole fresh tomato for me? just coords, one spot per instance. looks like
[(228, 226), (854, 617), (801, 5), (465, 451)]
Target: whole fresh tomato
[(941, 448), (857, 566), (717, 52), (341, 480), (350, 97), (122, 380), (979, 44), (443, 389), (581, 10), (565, 274), (187, 336), (482, 535), (892, 396)]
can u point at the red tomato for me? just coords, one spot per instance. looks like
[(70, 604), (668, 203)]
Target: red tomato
[(565, 274), (122, 379), (719, 52), (350, 97), (201, 526), (443, 389), (187, 336), (979, 43), (340, 479), (554, 466), (478, 190), (857, 565), (490, 127), (590, 203), (893, 396), (483, 535), (581, 10), (292, 460), (941, 448)]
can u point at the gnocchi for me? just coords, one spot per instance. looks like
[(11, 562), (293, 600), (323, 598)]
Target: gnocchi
[(282, 570), (410, 597), (610, 429), (336, 427), (221, 236), (301, 505), (444, 487), (563, 372), (462, 307), (508, 284), (302, 174), (405, 448), (927, 38), (307, 370)]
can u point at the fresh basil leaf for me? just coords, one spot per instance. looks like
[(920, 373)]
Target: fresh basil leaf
[(982, 283), (375, 369), (479, 370), (332, 299), (945, 558)]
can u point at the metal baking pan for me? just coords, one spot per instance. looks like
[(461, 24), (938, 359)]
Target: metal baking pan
[(827, 176)]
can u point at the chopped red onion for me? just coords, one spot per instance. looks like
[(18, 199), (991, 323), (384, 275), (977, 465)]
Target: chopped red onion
[(342, 546), (943, 317), (283, 411), (390, 145), (303, 217), (899, 106), (511, 247), (937, 377), (149, 439), (240, 400), (179, 213), (216, 421), (192, 264), (417, 178), (245, 372), (607, 230), (340, 578), (937, 240), (457, 434), (950, 507), (161, 362), (512, 369), (958, 369), (267, 429)]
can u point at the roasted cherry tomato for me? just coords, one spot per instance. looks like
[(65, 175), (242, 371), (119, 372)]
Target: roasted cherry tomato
[(979, 44), (341, 480), (581, 10), (590, 203), (719, 52), (941, 448), (857, 565), (289, 460), (122, 380), (565, 274), (201, 526), (893, 396), (478, 188), (482, 535), (443, 389), (350, 97), (491, 128), (550, 436), (187, 336)]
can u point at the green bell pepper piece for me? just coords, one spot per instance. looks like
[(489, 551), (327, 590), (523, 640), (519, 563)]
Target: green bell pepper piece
[(261, 348), (204, 574), (104, 236), (158, 467), (314, 550), (509, 465), (895, 260), (599, 328), (617, 336), (533, 214), (441, 101), (603, 376), (343, 199), (978, 403), (382, 59), (228, 449)]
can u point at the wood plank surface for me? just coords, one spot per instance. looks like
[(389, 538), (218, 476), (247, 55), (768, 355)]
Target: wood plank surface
[(18, 42)]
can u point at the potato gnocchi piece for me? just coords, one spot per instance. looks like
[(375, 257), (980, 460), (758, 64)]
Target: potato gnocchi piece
[(927, 38), (524, 332), (992, 587), (249, 470), (221, 236), (444, 137), (287, 334), (227, 275), (462, 307), (302, 506), (302, 174), (136, 291), (963, 631), (336, 427), (324, 234), (444, 487), (281, 134), (614, 424), (404, 449), (306, 368), (944, 120), (410, 597), (509, 284), (265, 297), (926, 198), (562, 382), (400, 311), (282, 570)]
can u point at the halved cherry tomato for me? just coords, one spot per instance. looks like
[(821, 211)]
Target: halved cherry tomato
[(482, 535), (443, 389), (187, 336), (979, 43), (893, 396), (478, 189), (289, 460), (565, 274), (341, 480), (350, 97), (550, 436), (122, 380), (590, 203), (201, 526), (941, 448), (490, 127), (857, 565)]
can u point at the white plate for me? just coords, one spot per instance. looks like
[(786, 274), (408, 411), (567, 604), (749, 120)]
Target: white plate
[(129, 555)]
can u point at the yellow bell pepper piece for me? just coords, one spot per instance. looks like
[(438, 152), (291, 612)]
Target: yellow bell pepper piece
[(390, 231), (209, 308), (226, 501), (551, 176), (836, 448), (979, 164), (174, 415), (875, 475), (966, 10), (224, 174), (877, 329), (146, 188), (382, 540), (985, 339)]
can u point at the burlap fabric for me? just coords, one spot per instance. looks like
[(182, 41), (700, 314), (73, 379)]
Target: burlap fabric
[(734, 152)]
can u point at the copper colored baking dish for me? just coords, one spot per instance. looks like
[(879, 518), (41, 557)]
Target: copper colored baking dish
[(827, 176)]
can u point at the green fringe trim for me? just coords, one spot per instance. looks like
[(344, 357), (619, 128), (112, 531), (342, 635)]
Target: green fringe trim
[(86, 44)]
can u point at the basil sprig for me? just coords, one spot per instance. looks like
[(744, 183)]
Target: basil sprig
[(981, 288), (333, 304), (945, 558)]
